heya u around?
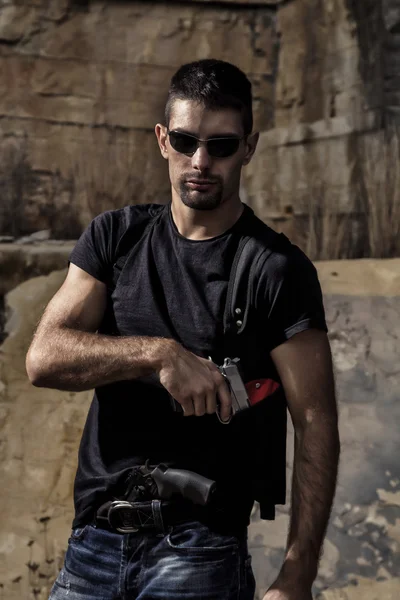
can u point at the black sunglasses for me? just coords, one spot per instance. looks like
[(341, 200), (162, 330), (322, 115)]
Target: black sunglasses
[(220, 147)]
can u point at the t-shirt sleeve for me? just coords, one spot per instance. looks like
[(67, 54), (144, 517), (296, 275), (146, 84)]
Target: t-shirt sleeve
[(293, 297), (94, 250)]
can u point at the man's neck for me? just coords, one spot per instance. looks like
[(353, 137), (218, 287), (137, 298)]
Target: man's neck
[(205, 224)]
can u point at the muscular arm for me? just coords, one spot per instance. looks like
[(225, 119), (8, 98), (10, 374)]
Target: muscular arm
[(66, 352), (305, 367)]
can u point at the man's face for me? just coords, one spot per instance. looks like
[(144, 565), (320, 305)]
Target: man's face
[(201, 181)]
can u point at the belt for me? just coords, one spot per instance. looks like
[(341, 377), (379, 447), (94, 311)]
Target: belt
[(120, 516)]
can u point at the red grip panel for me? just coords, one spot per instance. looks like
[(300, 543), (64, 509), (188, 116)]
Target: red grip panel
[(259, 389)]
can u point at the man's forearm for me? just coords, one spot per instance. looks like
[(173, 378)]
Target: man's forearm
[(315, 466), (76, 360)]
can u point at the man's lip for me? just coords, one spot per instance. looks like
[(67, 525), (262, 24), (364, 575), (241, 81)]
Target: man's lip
[(200, 181)]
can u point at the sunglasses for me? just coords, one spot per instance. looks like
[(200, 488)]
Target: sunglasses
[(219, 147)]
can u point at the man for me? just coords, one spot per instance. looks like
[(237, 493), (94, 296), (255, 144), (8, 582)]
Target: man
[(137, 318)]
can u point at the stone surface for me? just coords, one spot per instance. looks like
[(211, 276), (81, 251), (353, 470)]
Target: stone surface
[(313, 84), (365, 589), (21, 262), (328, 88), (42, 482), (36, 237), (135, 67), (102, 76), (317, 71), (360, 277), (40, 431), (391, 18), (159, 35), (334, 199), (244, 2), (75, 172), (16, 21)]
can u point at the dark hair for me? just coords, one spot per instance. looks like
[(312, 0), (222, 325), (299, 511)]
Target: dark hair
[(215, 84)]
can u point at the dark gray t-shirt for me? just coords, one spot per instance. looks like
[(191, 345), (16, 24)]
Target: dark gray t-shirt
[(173, 287)]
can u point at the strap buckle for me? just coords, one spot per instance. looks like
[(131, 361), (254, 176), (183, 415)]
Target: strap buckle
[(121, 516)]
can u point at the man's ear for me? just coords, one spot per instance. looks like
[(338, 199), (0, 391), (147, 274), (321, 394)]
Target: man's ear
[(161, 134), (251, 145)]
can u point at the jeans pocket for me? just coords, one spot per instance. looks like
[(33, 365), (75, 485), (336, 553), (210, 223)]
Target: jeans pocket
[(200, 540)]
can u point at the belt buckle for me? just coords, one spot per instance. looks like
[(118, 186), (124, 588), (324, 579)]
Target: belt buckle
[(118, 521)]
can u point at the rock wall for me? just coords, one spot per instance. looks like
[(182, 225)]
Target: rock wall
[(83, 89), (40, 431), (83, 84), (329, 103), (391, 15)]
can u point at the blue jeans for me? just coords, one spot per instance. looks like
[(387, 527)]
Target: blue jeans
[(187, 562)]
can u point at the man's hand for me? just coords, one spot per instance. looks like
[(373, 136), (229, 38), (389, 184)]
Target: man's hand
[(195, 383), (292, 595), (288, 590)]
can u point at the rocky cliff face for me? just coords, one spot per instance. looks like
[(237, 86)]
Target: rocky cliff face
[(83, 89), (83, 84), (328, 105), (391, 17)]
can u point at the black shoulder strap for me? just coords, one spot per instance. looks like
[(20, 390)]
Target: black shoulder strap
[(252, 252)]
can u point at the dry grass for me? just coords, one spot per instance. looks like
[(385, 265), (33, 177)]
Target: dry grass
[(380, 190), (17, 182), (105, 174), (372, 228), (328, 232)]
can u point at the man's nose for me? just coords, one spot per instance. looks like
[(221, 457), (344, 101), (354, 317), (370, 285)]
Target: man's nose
[(201, 160)]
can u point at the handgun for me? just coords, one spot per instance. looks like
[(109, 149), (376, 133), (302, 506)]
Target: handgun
[(231, 371), (244, 395), (191, 486)]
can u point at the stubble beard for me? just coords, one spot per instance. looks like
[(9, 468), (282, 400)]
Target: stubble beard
[(201, 200)]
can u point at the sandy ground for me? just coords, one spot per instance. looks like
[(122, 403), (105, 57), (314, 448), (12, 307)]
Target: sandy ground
[(366, 277)]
